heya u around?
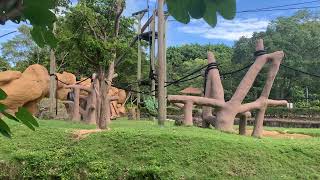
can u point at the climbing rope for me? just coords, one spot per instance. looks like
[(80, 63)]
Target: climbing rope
[(209, 67)]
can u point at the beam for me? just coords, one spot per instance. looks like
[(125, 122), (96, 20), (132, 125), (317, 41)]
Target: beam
[(162, 115)]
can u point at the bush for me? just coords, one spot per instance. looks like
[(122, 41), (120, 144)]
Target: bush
[(313, 113)]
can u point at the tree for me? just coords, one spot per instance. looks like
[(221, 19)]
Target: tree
[(95, 32), (187, 58), (4, 65), (21, 51)]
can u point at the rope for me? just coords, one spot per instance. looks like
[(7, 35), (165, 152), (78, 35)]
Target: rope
[(186, 76), (300, 71), (83, 80), (7, 34), (133, 91), (259, 53), (209, 67)]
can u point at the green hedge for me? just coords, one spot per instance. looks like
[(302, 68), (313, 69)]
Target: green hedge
[(293, 113), (273, 112)]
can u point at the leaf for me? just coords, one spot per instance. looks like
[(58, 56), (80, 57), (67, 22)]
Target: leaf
[(207, 9), (196, 8), (43, 36), (210, 15), (2, 107), (26, 118), (3, 94), (39, 13), (227, 8), (5, 133), (4, 126), (4, 129), (179, 10), (9, 116)]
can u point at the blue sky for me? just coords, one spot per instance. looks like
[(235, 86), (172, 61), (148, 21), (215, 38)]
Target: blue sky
[(197, 31)]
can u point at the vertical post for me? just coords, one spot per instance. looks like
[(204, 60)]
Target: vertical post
[(76, 105), (152, 53), (307, 95), (242, 125), (188, 120), (53, 84), (139, 65), (165, 59), (161, 64)]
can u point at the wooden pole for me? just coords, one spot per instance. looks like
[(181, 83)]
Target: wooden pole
[(53, 84), (161, 65), (152, 53), (165, 60), (139, 65)]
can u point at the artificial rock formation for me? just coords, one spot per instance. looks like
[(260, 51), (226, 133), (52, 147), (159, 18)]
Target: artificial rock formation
[(65, 78), (226, 112), (28, 88), (25, 89)]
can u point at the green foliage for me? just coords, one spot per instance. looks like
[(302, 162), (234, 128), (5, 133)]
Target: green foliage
[(39, 15), (4, 65), (22, 115), (151, 105), (187, 58), (310, 113), (22, 51), (155, 152), (86, 35), (181, 10)]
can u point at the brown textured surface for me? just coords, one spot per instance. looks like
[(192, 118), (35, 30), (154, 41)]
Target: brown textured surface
[(28, 89)]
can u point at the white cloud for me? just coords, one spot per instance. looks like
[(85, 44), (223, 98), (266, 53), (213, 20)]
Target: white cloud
[(225, 30)]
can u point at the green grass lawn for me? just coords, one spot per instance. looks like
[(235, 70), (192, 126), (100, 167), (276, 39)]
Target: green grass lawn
[(141, 149)]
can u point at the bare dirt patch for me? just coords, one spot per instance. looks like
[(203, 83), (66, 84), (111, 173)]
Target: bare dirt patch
[(277, 134), (83, 133)]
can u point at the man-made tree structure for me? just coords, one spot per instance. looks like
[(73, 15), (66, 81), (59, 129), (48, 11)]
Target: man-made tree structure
[(225, 112)]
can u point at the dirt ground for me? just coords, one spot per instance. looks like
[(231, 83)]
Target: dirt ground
[(82, 133), (276, 134)]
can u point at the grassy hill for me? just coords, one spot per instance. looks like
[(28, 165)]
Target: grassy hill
[(140, 150)]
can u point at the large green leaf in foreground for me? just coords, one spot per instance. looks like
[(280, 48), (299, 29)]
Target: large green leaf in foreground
[(182, 10)]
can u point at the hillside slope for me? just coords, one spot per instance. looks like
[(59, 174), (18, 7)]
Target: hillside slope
[(138, 150)]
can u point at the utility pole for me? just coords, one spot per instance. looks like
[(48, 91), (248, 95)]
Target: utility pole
[(139, 15), (161, 64), (165, 58), (152, 54), (139, 68), (53, 83)]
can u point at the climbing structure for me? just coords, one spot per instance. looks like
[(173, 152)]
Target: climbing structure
[(221, 114)]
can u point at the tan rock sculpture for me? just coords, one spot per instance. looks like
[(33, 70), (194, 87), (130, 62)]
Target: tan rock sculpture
[(66, 78), (25, 89), (28, 88), (226, 112)]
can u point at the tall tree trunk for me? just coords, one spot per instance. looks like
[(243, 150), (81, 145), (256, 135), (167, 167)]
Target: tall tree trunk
[(103, 101), (105, 112)]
